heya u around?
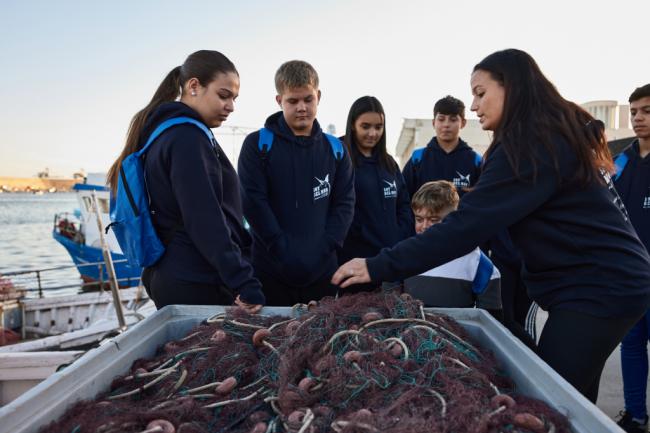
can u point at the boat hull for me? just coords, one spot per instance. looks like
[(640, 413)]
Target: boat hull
[(128, 276)]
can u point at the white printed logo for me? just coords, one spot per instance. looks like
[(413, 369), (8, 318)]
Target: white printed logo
[(646, 200), (616, 199), (390, 190), (322, 190), (462, 181)]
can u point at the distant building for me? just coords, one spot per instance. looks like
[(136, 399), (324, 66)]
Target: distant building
[(417, 133), (615, 117), (79, 175)]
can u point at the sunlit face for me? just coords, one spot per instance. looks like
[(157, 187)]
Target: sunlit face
[(448, 127), (214, 102), (640, 114), (299, 106), (489, 98), (368, 129), (424, 218)]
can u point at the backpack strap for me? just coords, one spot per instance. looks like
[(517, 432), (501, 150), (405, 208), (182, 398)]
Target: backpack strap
[(166, 240), (620, 162), (337, 147), (477, 159), (483, 274), (265, 142), (173, 122), (416, 157)]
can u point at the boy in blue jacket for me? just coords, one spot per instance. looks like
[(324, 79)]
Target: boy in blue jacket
[(632, 182), (447, 156), (298, 193)]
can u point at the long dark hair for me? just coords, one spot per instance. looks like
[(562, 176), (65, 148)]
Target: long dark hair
[(367, 104), (535, 112), (204, 65)]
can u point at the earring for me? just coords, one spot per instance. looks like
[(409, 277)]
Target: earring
[(193, 93)]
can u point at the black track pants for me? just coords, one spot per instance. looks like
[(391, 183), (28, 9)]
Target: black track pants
[(576, 345)]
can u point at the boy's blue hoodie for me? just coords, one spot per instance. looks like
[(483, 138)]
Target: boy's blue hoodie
[(458, 167), (578, 247), (382, 211), (299, 202), (196, 207), (633, 185)]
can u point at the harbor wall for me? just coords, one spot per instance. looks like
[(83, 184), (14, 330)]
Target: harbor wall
[(18, 184)]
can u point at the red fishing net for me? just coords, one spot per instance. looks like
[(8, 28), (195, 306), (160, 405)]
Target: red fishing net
[(361, 363)]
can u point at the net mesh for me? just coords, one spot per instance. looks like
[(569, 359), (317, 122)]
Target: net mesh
[(366, 362)]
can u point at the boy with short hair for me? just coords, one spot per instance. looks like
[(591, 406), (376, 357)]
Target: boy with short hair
[(471, 280), (446, 156), (298, 193), (632, 182)]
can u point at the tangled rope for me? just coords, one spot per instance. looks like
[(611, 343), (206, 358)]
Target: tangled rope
[(361, 363)]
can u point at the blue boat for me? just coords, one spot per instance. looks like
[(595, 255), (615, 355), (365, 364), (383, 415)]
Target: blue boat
[(78, 233)]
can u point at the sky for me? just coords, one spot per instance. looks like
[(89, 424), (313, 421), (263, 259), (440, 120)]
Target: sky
[(75, 72)]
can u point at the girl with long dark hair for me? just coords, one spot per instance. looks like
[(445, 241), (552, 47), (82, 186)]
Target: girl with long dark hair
[(382, 211), (194, 190), (546, 177)]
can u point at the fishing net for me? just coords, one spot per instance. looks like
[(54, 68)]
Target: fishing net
[(360, 363)]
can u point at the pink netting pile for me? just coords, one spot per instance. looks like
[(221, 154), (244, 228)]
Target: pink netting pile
[(361, 363)]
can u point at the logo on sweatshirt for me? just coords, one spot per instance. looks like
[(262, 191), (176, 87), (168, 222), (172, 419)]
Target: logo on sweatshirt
[(616, 199), (322, 190), (390, 189), (462, 181), (646, 200)]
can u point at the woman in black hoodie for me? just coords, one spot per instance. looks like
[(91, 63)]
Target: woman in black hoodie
[(546, 177), (382, 210), (194, 190)]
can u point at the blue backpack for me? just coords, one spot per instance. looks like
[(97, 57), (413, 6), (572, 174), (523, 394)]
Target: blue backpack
[(620, 162), (265, 143), (416, 157), (130, 216)]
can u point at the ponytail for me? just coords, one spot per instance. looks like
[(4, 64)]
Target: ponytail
[(169, 90)]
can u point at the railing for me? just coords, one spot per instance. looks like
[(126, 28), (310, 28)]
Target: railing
[(39, 280)]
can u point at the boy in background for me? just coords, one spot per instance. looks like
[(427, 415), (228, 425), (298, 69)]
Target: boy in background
[(632, 183), (298, 193), (468, 281), (446, 156)]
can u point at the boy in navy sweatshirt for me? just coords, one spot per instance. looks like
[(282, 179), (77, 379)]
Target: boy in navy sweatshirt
[(447, 156), (632, 182), (468, 281), (298, 193)]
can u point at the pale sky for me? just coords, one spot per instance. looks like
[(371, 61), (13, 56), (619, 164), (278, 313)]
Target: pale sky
[(75, 72)]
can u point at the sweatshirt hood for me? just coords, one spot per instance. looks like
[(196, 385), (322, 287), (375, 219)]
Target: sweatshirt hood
[(166, 111), (461, 147), (278, 125)]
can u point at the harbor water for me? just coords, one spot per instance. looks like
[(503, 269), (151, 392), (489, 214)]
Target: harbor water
[(26, 242)]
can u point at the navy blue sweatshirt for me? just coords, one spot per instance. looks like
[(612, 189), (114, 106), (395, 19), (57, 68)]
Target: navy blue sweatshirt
[(633, 185), (299, 202), (196, 207), (382, 210), (458, 167), (578, 247)]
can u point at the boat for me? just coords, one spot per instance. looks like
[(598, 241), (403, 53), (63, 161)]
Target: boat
[(57, 331), (39, 336), (78, 233)]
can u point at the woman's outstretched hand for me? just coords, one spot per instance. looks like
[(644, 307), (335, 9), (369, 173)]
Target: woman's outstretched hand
[(249, 308), (353, 272)]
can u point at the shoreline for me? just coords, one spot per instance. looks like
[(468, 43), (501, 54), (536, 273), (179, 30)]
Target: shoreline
[(36, 184)]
